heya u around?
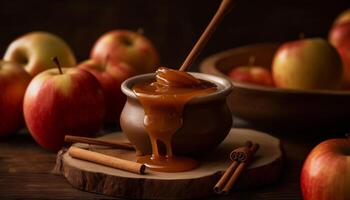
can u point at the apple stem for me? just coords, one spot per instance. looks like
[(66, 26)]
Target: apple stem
[(140, 31), (55, 60), (251, 60), (347, 135)]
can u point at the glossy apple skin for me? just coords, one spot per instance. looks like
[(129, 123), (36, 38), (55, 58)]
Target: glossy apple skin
[(252, 74), (13, 83), (129, 47), (339, 36), (59, 104), (110, 78), (343, 17), (326, 171), (36, 49), (307, 64)]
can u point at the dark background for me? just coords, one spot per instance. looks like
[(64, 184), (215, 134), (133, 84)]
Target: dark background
[(173, 25)]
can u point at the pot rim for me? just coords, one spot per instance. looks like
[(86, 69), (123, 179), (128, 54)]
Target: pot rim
[(224, 86)]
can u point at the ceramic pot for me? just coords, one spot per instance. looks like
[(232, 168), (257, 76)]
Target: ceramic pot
[(206, 120)]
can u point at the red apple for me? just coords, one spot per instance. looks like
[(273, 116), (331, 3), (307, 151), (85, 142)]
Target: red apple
[(110, 78), (13, 83), (326, 171), (343, 17), (339, 36), (35, 50), (129, 47), (57, 103), (252, 74), (307, 64)]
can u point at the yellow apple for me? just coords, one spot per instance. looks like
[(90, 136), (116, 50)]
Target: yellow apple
[(307, 64), (36, 49)]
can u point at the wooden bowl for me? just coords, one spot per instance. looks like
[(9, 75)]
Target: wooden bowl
[(268, 106)]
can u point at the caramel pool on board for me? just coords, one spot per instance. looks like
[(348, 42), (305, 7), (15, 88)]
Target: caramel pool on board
[(163, 101)]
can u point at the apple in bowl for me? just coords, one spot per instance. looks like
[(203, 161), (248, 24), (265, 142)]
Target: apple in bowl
[(36, 49), (129, 47), (63, 101), (307, 64), (13, 83), (272, 105), (252, 74)]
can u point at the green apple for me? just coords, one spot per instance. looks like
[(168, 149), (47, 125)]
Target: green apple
[(307, 64), (36, 49)]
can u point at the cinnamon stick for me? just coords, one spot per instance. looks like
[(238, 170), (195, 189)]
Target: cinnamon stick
[(240, 154), (86, 140), (225, 177), (229, 172), (234, 178), (240, 157), (106, 160), (241, 167)]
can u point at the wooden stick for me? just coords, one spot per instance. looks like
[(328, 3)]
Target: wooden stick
[(241, 167), (228, 173), (86, 140), (106, 160), (224, 8)]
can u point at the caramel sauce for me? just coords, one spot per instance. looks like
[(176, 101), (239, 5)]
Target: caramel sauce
[(163, 101)]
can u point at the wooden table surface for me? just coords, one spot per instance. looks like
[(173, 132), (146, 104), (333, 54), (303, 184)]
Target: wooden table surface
[(25, 170)]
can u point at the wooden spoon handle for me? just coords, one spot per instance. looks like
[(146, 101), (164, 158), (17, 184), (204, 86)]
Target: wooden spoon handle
[(224, 8)]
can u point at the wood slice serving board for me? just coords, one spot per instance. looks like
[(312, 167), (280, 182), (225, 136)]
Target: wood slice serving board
[(197, 183)]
